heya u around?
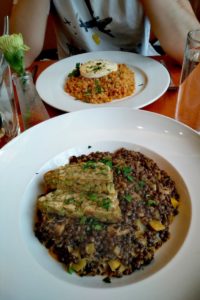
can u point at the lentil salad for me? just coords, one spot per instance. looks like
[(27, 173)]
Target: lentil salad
[(148, 201)]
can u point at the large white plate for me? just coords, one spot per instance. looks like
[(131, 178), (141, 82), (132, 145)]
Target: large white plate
[(28, 272), (152, 80)]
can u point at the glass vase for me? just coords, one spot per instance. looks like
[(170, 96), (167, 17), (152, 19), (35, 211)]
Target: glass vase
[(31, 106), (9, 123)]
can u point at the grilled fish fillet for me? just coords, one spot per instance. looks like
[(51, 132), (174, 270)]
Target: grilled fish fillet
[(100, 206), (81, 177)]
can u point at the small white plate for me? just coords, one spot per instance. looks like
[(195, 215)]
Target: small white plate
[(27, 271), (152, 80)]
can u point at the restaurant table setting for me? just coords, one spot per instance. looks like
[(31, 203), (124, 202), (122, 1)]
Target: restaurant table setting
[(45, 126)]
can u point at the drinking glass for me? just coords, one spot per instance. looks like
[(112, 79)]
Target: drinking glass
[(9, 123), (31, 106), (188, 102)]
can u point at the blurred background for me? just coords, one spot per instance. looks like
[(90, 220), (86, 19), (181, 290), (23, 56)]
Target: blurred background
[(49, 48), (50, 40)]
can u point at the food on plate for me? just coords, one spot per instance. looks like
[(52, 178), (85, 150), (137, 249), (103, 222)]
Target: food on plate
[(104, 207), (82, 189), (100, 81), (108, 232), (88, 176)]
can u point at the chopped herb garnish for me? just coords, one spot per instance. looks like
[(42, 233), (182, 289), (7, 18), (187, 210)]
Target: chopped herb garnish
[(75, 72), (97, 227), (89, 164), (127, 173), (106, 203), (92, 223), (97, 67), (118, 170), (70, 200), (107, 162), (83, 220), (87, 92), (126, 170), (107, 280), (70, 270), (129, 177), (92, 196), (141, 184), (152, 203), (128, 198), (98, 88)]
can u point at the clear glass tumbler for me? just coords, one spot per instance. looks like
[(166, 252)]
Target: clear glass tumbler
[(188, 102), (9, 123), (31, 106)]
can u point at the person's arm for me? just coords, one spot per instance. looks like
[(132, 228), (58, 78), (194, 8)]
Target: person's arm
[(29, 17), (170, 21)]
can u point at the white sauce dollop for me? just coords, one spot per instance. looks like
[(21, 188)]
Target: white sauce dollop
[(97, 68)]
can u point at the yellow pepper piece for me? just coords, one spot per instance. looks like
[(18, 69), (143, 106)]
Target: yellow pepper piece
[(157, 225), (174, 202), (114, 264), (79, 266), (90, 248), (122, 268)]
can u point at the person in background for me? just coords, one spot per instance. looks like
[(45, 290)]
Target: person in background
[(96, 25)]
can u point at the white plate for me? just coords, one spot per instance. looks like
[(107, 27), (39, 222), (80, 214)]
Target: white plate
[(26, 269), (152, 80)]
